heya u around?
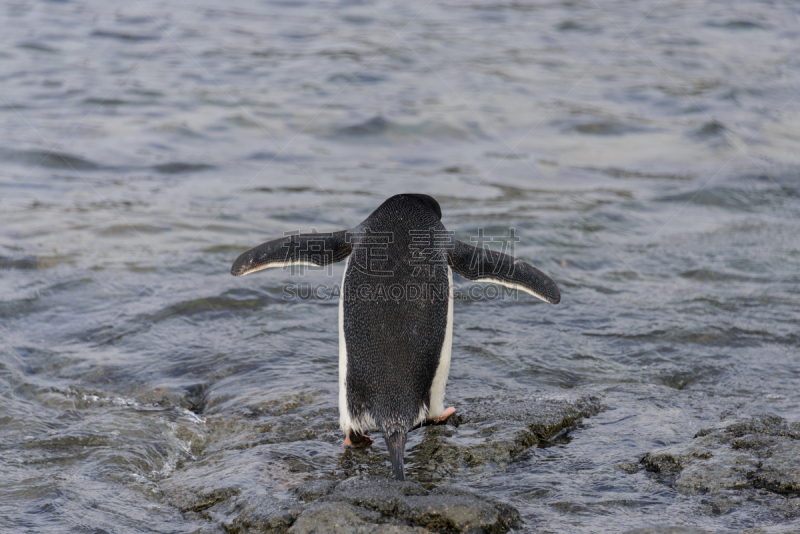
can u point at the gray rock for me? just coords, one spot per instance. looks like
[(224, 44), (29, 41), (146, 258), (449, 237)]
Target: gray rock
[(312, 490), (780, 479), (399, 529), (254, 513), (444, 509), (360, 505), (342, 500), (667, 530), (629, 467), (508, 428), (669, 462), (343, 518), (198, 502), (746, 463), (335, 518)]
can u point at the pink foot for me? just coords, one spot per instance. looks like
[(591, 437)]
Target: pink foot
[(358, 440), (445, 414)]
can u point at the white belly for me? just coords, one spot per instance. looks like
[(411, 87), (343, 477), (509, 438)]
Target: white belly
[(440, 378)]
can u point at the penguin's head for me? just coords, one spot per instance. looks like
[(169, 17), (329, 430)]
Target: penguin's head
[(425, 200)]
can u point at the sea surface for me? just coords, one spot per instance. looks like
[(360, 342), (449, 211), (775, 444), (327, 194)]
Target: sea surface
[(646, 154)]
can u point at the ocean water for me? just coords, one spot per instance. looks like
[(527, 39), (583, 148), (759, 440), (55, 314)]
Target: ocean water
[(646, 153)]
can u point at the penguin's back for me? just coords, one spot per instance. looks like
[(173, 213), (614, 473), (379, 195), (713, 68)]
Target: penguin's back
[(395, 311)]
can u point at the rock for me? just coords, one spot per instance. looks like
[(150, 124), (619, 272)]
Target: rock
[(358, 494), (508, 429), (343, 518), (206, 500), (334, 517), (757, 456), (254, 513), (670, 463), (362, 505), (629, 467), (312, 490), (444, 509), (667, 530), (778, 479), (399, 529)]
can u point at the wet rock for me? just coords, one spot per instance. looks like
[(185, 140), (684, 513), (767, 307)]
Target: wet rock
[(669, 463), (195, 398), (358, 494), (343, 518), (181, 168), (314, 489), (711, 128), (254, 513), (667, 530), (505, 429), (364, 505), (334, 517), (47, 158), (379, 128), (757, 456), (786, 481), (443, 509), (33, 262), (629, 467), (237, 512), (375, 125), (192, 397), (291, 404), (604, 128), (208, 499), (399, 529)]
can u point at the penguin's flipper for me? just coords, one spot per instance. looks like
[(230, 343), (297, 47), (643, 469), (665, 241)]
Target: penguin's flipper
[(296, 249), (396, 443), (483, 265)]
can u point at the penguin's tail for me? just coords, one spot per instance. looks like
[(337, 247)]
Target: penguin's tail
[(396, 443)]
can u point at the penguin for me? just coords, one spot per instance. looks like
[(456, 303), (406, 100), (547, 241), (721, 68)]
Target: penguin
[(396, 311)]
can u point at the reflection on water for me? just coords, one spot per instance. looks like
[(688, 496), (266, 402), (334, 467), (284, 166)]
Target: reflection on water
[(646, 153)]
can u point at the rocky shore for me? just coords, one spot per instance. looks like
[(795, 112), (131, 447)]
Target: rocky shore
[(374, 503), (755, 461)]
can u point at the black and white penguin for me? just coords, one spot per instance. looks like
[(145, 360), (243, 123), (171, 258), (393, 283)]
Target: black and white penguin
[(396, 311)]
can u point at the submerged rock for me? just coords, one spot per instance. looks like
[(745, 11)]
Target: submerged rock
[(759, 456), (669, 462), (505, 429)]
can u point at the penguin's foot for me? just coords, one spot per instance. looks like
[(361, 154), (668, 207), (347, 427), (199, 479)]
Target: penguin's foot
[(445, 414), (354, 439)]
